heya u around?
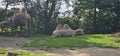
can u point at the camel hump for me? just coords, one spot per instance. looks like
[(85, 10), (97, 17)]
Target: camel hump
[(16, 10), (59, 27), (66, 27), (24, 10)]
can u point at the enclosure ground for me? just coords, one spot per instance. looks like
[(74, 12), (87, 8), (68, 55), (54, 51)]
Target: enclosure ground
[(77, 52), (15, 43)]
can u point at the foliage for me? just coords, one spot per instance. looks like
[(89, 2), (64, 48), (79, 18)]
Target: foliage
[(44, 14), (95, 16), (88, 40), (99, 16), (74, 23)]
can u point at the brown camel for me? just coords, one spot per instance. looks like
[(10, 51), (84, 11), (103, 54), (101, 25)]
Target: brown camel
[(21, 18)]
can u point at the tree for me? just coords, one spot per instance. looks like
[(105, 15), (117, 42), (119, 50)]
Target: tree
[(43, 13), (46, 13), (99, 16)]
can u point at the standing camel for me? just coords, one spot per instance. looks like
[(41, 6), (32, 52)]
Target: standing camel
[(21, 18)]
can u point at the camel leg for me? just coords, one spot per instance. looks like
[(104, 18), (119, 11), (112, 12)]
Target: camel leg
[(26, 29), (2, 29), (11, 31), (21, 30), (16, 30)]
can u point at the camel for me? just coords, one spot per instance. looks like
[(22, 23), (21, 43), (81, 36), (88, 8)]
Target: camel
[(21, 18), (66, 31), (5, 24)]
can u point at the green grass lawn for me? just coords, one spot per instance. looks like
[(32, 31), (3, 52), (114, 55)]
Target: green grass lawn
[(22, 53), (82, 41)]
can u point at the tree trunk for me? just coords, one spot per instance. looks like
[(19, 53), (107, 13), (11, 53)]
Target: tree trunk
[(48, 16), (46, 20), (4, 12), (94, 19), (118, 15)]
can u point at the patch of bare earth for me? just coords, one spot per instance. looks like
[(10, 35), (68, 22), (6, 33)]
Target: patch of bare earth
[(82, 52), (13, 42), (9, 43)]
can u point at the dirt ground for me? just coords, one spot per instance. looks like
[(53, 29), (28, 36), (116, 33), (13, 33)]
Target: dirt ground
[(9, 43), (13, 42)]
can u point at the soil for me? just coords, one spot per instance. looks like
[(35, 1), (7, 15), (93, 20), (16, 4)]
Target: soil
[(13, 42)]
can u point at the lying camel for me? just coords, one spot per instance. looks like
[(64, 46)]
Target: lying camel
[(66, 31)]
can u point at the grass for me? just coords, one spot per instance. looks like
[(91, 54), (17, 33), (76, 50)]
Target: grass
[(23, 53), (46, 41), (83, 41)]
